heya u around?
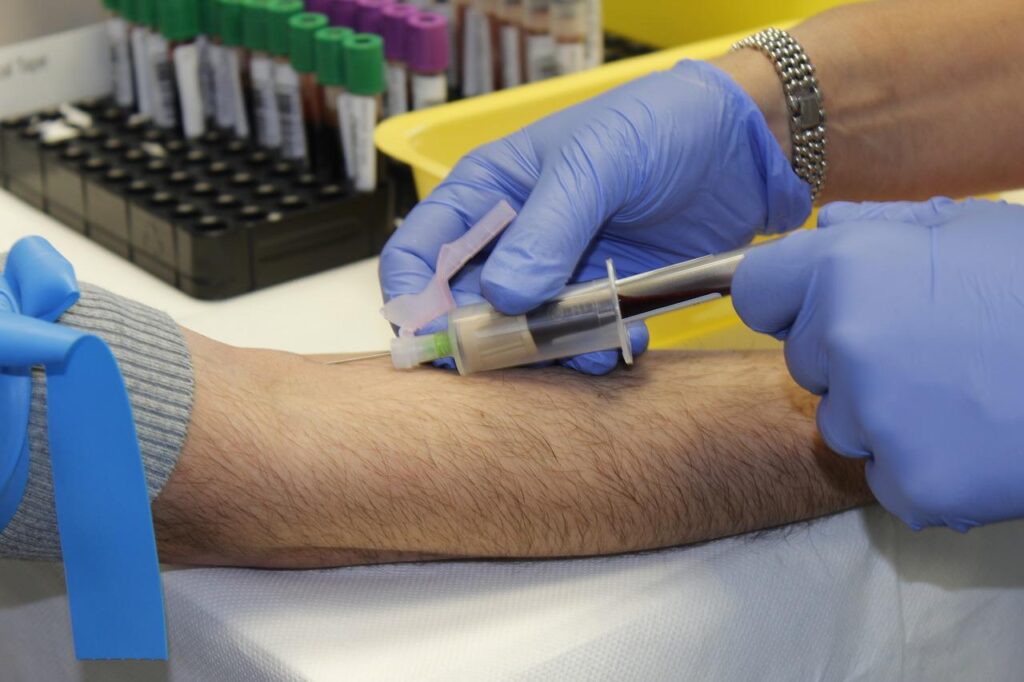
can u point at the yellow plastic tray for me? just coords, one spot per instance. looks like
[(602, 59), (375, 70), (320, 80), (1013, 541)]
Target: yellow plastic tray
[(666, 24), (431, 141)]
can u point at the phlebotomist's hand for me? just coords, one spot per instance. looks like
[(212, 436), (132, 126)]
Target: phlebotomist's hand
[(671, 166), (908, 320)]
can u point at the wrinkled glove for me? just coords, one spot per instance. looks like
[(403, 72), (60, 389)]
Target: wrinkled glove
[(908, 320), (674, 165)]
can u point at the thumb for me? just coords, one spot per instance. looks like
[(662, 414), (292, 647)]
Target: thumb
[(771, 282), (935, 211), (538, 253)]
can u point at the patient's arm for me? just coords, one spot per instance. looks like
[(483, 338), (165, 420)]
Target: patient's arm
[(291, 463)]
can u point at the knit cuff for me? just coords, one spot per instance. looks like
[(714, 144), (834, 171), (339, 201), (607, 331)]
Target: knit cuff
[(157, 369)]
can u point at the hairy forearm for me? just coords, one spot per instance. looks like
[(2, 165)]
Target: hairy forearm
[(291, 463), (923, 96)]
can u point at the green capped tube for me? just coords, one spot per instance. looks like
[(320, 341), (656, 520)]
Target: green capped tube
[(365, 84)]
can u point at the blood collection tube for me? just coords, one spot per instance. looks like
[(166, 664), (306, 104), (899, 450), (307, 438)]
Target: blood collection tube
[(231, 72), (368, 15), (286, 80), (493, 56), (595, 33), (330, 70), (510, 42), (164, 90), (342, 13), (428, 56), (261, 74), (538, 43), (569, 26), (180, 23), (136, 12), (394, 32), (120, 53), (448, 9), (302, 47), (364, 75), (220, 112), (204, 44), (478, 49), (461, 12)]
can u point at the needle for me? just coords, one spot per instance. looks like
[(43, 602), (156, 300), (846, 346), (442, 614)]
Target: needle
[(379, 354)]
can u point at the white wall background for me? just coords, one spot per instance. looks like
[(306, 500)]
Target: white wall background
[(51, 51), (27, 19)]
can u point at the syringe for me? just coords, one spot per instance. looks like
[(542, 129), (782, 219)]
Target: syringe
[(585, 317)]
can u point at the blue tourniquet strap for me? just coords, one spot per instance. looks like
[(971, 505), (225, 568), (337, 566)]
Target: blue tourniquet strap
[(103, 514)]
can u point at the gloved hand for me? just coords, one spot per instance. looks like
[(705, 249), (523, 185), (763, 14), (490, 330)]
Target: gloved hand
[(908, 320), (674, 165)]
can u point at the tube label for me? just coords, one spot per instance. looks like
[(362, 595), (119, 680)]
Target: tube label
[(571, 57), (140, 65), (345, 128), (165, 105), (236, 93), (120, 62), (363, 117), (398, 87), (485, 52), (595, 33), (471, 62), (289, 109), (206, 82), (224, 105), (511, 56), (447, 9), (540, 57), (268, 127), (429, 91), (186, 71)]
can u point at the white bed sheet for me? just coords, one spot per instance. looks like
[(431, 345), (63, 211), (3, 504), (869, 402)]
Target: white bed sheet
[(851, 597)]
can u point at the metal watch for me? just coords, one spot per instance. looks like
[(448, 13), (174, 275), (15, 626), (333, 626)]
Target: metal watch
[(803, 100)]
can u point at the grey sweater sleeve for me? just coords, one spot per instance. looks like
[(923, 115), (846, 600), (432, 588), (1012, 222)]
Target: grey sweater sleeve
[(157, 371)]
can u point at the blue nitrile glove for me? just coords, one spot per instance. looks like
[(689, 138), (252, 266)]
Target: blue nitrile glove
[(674, 165), (908, 320)]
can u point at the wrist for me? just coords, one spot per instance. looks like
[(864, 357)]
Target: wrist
[(756, 76)]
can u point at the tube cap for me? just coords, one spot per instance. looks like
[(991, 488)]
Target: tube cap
[(278, 13), (205, 16), (129, 10), (145, 10), (254, 24), (229, 21), (302, 30), (427, 46), (393, 29), (364, 64), (368, 17), (179, 19), (330, 54), (317, 6), (342, 13)]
